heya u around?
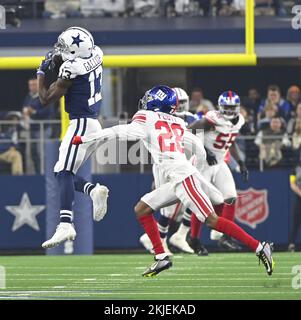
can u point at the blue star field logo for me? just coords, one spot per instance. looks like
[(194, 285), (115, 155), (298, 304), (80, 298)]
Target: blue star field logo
[(77, 40)]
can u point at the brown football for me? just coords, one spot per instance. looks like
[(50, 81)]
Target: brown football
[(56, 63)]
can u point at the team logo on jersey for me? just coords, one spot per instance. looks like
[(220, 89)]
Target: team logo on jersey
[(252, 207)]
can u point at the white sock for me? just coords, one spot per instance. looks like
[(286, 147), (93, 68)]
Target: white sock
[(183, 230), (259, 247), (161, 256)]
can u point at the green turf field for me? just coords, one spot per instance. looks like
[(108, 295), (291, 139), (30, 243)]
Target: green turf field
[(218, 276)]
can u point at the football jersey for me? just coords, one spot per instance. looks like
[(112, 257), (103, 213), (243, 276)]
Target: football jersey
[(83, 98), (222, 135), (164, 136)]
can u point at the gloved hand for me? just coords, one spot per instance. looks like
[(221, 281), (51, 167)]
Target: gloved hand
[(210, 157), (243, 170), (45, 64)]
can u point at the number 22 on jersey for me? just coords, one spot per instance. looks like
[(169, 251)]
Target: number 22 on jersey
[(171, 137), (95, 80)]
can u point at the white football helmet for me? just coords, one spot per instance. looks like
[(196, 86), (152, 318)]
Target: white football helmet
[(183, 100), (74, 42)]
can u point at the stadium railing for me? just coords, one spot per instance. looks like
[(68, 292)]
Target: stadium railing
[(128, 156)]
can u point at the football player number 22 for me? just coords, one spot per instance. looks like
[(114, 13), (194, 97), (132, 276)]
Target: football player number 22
[(224, 140), (95, 80), (174, 132)]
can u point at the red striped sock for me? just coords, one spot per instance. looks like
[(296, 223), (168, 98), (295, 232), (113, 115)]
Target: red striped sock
[(150, 227), (229, 212), (218, 208), (195, 225), (233, 230)]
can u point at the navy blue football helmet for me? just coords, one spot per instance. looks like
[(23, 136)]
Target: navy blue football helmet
[(159, 99), (229, 104)]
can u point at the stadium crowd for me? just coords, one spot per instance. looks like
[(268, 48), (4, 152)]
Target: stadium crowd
[(271, 134), (56, 9)]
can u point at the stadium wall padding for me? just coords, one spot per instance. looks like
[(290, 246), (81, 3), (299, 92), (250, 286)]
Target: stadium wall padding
[(119, 229)]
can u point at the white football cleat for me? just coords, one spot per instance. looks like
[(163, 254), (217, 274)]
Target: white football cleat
[(215, 235), (165, 247), (64, 231), (99, 196), (147, 244), (180, 243)]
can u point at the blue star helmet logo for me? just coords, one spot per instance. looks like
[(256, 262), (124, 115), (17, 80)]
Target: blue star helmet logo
[(77, 40)]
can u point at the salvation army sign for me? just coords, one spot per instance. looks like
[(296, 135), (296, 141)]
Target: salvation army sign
[(251, 207)]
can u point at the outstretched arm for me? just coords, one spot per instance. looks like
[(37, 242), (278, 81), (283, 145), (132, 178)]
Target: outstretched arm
[(203, 124), (132, 131)]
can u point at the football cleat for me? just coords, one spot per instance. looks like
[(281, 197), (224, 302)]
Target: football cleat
[(228, 243), (64, 231), (99, 196), (265, 256), (147, 244), (179, 242), (157, 267), (198, 248)]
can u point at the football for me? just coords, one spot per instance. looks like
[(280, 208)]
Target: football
[(56, 63)]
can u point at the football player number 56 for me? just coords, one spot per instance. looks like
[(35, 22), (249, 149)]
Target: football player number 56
[(171, 138)]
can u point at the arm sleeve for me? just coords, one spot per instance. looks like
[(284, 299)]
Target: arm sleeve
[(194, 146)]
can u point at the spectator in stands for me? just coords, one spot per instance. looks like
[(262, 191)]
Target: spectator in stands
[(295, 183), (8, 150), (248, 128), (252, 101), (296, 136), (274, 96), (146, 8), (198, 101), (292, 122), (270, 142), (33, 110), (56, 9), (270, 111), (293, 97)]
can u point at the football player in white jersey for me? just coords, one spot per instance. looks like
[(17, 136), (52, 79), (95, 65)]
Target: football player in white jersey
[(164, 135), (178, 240), (221, 127), (79, 80)]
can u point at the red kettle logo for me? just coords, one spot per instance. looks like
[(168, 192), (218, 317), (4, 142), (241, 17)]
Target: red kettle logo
[(252, 207)]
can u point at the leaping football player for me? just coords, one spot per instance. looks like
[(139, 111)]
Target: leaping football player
[(164, 136), (79, 80)]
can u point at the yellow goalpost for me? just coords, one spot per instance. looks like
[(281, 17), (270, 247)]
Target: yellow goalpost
[(248, 58)]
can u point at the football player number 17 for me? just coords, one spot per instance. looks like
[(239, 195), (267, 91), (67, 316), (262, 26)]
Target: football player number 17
[(171, 139), (95, 80)]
